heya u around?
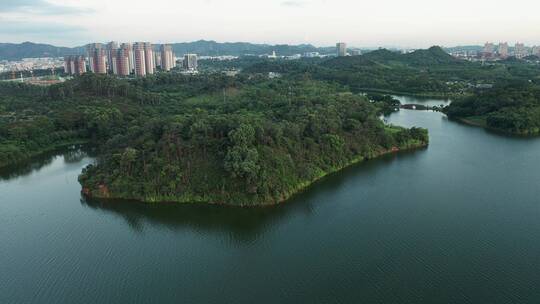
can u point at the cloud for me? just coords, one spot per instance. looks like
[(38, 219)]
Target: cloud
[(293, 3), (39, 28), (39, 7), (44, 32)]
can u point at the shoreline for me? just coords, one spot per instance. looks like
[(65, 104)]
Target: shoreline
[(484, 126), (42, 152), (88, 194), (421, 95)]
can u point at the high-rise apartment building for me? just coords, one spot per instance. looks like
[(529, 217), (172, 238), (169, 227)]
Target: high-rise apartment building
[(536, 50), (90, 48), (112, 50), (140, 60), (113, 63), (167, 57), (190, 62), (157, 58), (503, 50), (519, 50), (98, 58), (122, 62), (341, 49), (128, 48), (489, 50), (68, 67), (74, 65), (149, 57)]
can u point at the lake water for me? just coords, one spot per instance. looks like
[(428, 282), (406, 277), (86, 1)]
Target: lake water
[(458, 222)]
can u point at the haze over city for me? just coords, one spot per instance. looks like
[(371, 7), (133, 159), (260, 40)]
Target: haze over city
[(416, 23)]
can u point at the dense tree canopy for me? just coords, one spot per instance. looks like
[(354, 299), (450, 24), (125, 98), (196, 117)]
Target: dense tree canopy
[(249, 139), (513, 108), (245, 144)]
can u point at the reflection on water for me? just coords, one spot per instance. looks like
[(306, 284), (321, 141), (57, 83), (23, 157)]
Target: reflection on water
[(73, 154), (244, 224), (454, 223)]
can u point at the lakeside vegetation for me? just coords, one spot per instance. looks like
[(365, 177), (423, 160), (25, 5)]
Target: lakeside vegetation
[(257, 144), (249, 139), (207, 138), (430, 72), (511, 108), (501, 95)]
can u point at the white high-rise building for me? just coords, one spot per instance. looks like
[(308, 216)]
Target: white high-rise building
[(190, 62), (341, 49)]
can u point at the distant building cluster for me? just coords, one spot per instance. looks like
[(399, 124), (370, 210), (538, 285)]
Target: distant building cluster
[(140, 59), (75, 65), (503, 51), (341, 50), (30, 64)]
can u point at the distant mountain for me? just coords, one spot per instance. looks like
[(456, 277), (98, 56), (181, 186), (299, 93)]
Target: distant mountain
[(11, 51), (213, 48), (383, 57)]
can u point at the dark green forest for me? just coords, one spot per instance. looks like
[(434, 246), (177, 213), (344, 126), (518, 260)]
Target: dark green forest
[(430, 72), (249, 139), (512, 108), (499, 95), (207, 138)]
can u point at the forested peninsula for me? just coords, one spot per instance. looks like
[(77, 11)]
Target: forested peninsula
[(208, 138), (510, 108)]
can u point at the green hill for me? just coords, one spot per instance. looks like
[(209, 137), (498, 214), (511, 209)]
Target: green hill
[(212, 48), (383, 57), (431, 56), (13, 51)]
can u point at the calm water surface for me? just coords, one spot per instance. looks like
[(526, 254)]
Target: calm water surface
[(458, 222)]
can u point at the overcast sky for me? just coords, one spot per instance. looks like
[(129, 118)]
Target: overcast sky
[(403, 23)]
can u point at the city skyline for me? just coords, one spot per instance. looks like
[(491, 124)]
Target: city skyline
[(122, 59), (385, 23)]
